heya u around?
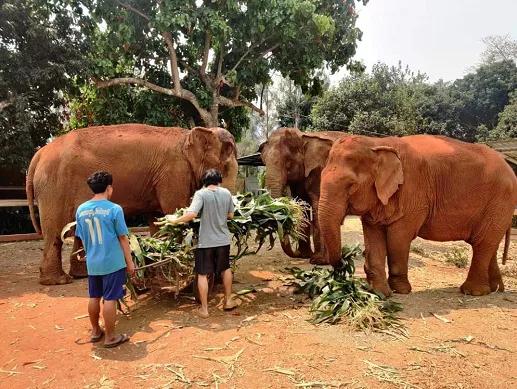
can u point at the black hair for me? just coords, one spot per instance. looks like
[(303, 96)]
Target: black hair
[(212, 177), (99, 181)]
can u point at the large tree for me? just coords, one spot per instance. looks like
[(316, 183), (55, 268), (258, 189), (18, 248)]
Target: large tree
[(211, 54), (41, 47)]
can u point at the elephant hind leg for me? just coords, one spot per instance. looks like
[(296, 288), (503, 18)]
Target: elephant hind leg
[(51, 268), (494, 276), (478, 279)]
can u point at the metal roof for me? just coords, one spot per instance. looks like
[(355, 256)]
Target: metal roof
[(506, 147), (250, 160)]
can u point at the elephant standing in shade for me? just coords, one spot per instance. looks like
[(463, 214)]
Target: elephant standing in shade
[(155, 170), (295, 160), (429, 186)]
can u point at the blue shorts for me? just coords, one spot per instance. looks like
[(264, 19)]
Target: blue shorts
[(109, 286)]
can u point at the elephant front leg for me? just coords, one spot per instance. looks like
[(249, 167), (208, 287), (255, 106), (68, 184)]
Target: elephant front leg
[(78, 266), (375, 257), (399, 243)]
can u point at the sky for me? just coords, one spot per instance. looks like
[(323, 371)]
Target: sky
[(442, 38)]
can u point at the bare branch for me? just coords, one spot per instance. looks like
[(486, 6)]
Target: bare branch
[(134, 81), (206, 51), (239, 103), (133, 9), (182, 94), (167, 36), (219, 67), (6, 103)]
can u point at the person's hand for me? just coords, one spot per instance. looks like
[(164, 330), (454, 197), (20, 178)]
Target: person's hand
[(130, 268), (171, 219)]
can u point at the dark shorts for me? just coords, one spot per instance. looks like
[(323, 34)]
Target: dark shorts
[(109, 286), (212, 260)]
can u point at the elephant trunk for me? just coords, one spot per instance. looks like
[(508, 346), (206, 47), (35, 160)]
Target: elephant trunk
[(330, 217), (276, 184)]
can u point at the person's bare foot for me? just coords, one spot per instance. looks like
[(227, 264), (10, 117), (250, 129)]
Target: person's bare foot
[(203, 313), (230, 304)]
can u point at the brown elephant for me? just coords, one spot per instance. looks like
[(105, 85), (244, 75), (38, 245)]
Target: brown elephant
[(433, 187), (155, 170), (294, 161)]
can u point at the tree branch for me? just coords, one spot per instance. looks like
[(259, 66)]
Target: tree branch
[(239, 103), (206, 51), (182, 94), (167, 36), (133, 9), (6, 103)]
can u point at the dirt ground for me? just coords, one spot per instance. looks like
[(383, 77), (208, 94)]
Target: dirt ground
[(453, 341)]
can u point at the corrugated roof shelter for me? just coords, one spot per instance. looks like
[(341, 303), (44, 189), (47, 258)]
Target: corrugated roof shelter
[(508, 148), (250, 160)]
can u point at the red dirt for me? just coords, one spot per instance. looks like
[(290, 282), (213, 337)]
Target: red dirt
[(42, 328)]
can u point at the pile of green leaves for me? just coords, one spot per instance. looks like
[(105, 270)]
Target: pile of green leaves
[(337, 294), (169, 254)]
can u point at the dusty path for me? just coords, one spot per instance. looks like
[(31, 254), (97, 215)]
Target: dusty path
[(267, 343)]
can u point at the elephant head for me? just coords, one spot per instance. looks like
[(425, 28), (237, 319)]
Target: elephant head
[(228, 158), (361, 177), (294, 160), (211, 149)]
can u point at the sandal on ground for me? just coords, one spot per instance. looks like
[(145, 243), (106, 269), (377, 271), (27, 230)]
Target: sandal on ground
[(122, 338), (231, 305), (96, 338)]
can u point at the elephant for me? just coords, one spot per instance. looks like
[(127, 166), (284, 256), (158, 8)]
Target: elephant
[(433, 187), (294, 161), (155, 170)]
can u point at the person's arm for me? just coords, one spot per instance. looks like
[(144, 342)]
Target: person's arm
[(124, 243), (122, 233), (192, 212), (187, 217), (231, 207)]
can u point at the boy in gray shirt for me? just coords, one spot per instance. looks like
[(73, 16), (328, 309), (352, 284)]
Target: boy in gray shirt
[(215, 205)]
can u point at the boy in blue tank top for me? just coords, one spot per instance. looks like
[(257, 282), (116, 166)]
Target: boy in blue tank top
[(102, 229)]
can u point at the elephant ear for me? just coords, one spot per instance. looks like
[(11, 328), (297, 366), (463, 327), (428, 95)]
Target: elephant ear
[(202, 149), (228, 149), (389, 174), (316, 151)]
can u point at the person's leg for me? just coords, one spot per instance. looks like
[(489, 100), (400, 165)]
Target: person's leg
[(109, 313), (202, 285), (113, 290), (223, 267), (94, 305), (94, 310)]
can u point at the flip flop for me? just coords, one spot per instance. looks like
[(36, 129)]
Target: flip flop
[(122, 338), (95, 339), (232, 305)]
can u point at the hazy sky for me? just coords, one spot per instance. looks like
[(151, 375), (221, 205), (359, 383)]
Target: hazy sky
[(441, 38)]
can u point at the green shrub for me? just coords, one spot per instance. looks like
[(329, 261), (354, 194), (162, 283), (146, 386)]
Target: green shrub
[(458, 257)]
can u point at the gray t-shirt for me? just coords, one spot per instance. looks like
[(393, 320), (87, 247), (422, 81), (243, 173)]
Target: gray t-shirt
[(213, 206)]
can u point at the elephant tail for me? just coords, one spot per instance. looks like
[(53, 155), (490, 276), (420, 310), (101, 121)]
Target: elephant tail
[(29, 189), (507, 244)]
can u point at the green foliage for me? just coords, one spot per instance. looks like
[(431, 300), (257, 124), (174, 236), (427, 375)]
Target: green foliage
[(380, 102), (458, 257), (248, 40), (395, 101), (170, 253), (507, 124), (40, 47), (338, 294)]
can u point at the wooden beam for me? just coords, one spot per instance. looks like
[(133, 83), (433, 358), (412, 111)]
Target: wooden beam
[(35, 236)]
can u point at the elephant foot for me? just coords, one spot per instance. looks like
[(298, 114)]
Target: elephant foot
[(475, 288), (55, 279), (381, 287), (319, 260), (78, 269), (399, 284)]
